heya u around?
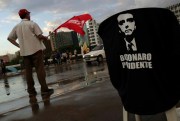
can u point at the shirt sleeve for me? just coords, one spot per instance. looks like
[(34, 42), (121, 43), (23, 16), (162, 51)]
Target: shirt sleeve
[(13, 34)]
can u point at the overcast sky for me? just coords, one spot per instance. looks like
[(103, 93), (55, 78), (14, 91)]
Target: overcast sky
[(49, 14)]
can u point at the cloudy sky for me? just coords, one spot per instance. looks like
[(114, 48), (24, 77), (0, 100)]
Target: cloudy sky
[(49, 14)]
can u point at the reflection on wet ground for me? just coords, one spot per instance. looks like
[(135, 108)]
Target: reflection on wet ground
[(35, 105), (69, 73), (62, 78), (80, 67), (6, 86)]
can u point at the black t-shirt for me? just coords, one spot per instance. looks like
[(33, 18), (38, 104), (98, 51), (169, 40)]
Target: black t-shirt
[(147, 78)]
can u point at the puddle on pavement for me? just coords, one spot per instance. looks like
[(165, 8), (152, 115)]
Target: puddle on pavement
[(68, 76)]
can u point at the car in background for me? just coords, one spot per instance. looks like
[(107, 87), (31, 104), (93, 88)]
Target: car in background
[(96, 54)]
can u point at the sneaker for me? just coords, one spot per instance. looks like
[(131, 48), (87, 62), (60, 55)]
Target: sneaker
[(48, 92)]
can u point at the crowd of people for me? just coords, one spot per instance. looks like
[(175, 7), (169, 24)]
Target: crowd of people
[(58, 58)]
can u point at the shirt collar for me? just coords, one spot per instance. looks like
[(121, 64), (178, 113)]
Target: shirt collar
[(25, 19)]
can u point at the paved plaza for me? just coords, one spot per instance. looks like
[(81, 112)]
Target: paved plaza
[(86, 97)]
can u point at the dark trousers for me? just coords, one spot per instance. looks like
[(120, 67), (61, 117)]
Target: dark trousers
[(35, 60)]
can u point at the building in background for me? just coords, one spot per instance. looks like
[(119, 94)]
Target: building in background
[(48, 50), (52, 40), (91, 38), (64, 41), (5, 58), (94, 38), (176, 10), (84, 42), (8, 57)]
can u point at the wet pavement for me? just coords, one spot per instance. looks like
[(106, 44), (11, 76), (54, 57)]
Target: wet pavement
[(82, 93), (62, 78)]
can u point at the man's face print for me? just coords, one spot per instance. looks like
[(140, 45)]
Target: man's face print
[(126, 23)]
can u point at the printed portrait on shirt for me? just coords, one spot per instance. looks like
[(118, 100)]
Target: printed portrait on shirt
[(127, 27)]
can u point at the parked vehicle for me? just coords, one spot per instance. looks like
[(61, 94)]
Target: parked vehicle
[(96, 54)]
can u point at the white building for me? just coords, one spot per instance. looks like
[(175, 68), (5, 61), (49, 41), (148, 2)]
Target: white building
[(94, 38)]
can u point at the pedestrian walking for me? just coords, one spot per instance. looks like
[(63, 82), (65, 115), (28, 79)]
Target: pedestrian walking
[(64, 56), (75, 55), (30, 41)]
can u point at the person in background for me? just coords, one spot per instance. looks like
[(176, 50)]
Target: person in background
[(3, 67), (58, 57), (67, 57), (75, 55), (46, 60), (30, 41)]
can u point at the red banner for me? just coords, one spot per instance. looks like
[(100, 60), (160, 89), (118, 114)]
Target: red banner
[(76, 23)]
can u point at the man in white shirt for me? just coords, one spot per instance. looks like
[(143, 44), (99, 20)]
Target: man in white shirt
[(127, 26), (29, 36)]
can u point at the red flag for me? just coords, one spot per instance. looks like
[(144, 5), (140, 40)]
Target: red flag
[(76, 23)]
